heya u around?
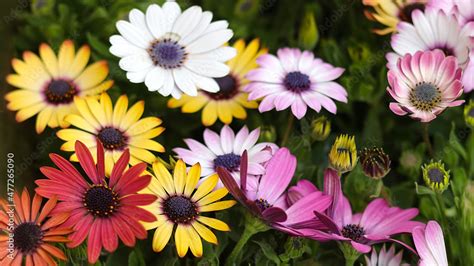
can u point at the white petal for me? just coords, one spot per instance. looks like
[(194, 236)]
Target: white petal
[(221, 54), (187, 21), (135, 62), (155, 78), (155, 20), (184, 81), (208, 68), (205, 83), (217, 25), (209, 41), (133, 34), (171, 11), (176, 93), (121, 47), (168, 84), (199, 29), (138, 77)]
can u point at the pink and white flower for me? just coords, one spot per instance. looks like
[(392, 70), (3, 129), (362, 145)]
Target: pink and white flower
[(429, 243), (385, 258), (425, 84), (268, 201), (225, 150), (431, 30), (378, 223), (295, 78)]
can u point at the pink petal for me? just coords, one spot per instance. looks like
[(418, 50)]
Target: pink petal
[(303, 209), (361, 247), (213, 141), (435, 241), (94, 243), (298, 107), (227, 139)]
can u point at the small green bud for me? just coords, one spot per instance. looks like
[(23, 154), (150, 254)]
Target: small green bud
[(320, 128), (308, 33), (268, 134), (436, 177)]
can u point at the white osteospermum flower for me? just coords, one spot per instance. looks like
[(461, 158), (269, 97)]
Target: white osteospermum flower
[(173, 52)]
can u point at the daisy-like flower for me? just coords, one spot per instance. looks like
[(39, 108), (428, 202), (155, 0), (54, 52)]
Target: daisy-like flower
[(180, 204), (429, 243), (173, 52), (436, 176), (116, 127), (101, 209), (225, 151), (295, 78), (391, 12), (385, 258), (270, 202), (431, 30), (48, 84), (378, 223), (469, 114), (34, 231), (343, 154), (425, 84), (230, 101)]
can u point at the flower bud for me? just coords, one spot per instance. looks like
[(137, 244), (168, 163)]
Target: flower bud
[(343, 154), (436, 177), (375, 162), (320, 128), (308, 33), (469, 114), (267, 134)]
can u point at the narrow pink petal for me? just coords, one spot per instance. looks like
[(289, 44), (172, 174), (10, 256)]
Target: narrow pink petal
[(94, 243), (109, 237), (435, 241), (119, 167), (87, 162), (303, 209)]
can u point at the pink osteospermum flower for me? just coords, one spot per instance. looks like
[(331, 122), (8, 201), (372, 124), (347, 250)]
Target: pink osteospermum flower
[(462, 9), (295, 78), (425, 84), (104, 209), (225, 150), (378, 223), (267, 201), (429, 243)]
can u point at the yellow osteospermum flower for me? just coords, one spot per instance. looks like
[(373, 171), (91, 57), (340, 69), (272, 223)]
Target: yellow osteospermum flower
[(117, 129), (231, 100), (48, 83), (343, 154), (391, 12), (180, 204)]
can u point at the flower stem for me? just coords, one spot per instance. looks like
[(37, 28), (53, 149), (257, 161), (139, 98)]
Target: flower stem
[(289, 128), (426, 138), (253, 225), (350, 254)]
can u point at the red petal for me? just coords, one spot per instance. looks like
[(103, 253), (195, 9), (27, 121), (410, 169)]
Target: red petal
[(94, 242), (130, 174), (68, 168), (109, 237), (123, 231), (137, 213), (87, 162), (81, 230), (135, 185), (138, 199), (100, 159), (119, 167)]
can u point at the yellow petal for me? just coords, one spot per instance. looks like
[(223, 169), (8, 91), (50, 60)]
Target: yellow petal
[(133, 115), (120, 109), (49, 59), (161, 219), (29, 111), (179, 176), (80, 61), (63, 111), (237, 110), (36, 69), (142, 154), (19, 99), (205, 233), (213, 196), (146, 144), (239, 46), (102, 87), (223, 109), (65, 57), (162, 236), (252, 64), (108, 160), (247, 55), (43, 119), (80, 122), (214, 223), (217, 206), (164, 177), (92, 75), (193, 178), (85, 112), (181, 238), (150, 134), (243, 100), (23, 82), (156, 188), (96, 109), (106, 104), (143, 125), (175, 103), (209, 114), (195, 243), (71, 134), (205, 187), (53, 119), (195, 104)]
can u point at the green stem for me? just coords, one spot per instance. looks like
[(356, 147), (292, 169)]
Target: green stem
[(426, 139), (350, 254), (289, 128)]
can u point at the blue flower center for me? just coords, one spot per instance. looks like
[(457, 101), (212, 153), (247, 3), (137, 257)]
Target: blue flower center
[(180, 209), (60, 91), (229, 161), (297, 82), (425, 96), (27, 237), (100, 200), (112, 138), (435, 175), (262, 204), (353, 231), (167, 54), (228, 88)]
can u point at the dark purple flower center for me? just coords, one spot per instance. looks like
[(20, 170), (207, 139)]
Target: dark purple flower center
[(297, 82), (436, 175), (180, 209), (446, 50), (27, 237), (405, 12), (353, 231), (425, 96), (100, 200), (112, 138), (60, 91), (229, 161), (228, 88), (167, 53), (262, 204)]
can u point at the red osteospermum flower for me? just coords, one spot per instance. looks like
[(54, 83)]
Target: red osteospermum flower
[(102, 210), (34, 231)]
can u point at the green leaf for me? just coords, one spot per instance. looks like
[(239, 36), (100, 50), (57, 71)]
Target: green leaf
[(136, 258), (98, 46), (268, 251), (454, 142), (422, 190)]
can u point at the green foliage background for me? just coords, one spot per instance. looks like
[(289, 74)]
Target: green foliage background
[(344, 39)]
